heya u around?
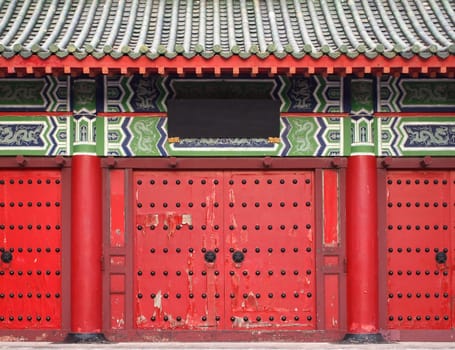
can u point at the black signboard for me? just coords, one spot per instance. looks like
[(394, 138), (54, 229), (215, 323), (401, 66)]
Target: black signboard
[(227, 118)]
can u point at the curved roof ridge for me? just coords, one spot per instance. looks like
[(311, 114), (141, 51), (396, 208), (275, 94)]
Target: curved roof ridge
[(227, 27)]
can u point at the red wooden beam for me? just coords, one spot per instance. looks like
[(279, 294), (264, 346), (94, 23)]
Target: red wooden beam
[(234, 65)]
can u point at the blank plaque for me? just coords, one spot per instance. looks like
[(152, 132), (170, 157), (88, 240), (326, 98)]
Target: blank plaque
[(229, 118)]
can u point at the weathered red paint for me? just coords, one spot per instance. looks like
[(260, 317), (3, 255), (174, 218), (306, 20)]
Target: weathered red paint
[(234, 65), (267, 219), (419, 226), (331, 208), (31, 234), (270, 217), (332, 301), (361, 245), (116, 208), (86, 238)]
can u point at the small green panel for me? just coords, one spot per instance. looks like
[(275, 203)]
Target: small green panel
[(22, 93), (302, 136), (84, 96), (428, 92), (362, 96), (145, 136)]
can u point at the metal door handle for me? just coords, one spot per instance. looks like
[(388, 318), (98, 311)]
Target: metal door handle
[(210, 256), (441, 257), (238, 257), (7, 257)]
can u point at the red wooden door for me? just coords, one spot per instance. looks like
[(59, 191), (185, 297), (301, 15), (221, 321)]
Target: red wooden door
[(30, 249), (224, 250), (179, 219), (420, 221), (269, 250)]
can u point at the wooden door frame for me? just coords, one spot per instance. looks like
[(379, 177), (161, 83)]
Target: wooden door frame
[(416, 164), (128, 165)]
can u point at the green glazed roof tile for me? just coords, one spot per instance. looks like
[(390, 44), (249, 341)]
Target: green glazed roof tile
[(135, 28), (352, 54), (44, 55), (390, 54), (152, 55), (263, 54), (443, 54), (98, 54), (298, 55), (80, 55), (17, 47), (316, 54), (116, 54), (62, 54), (26, 53), (8, 54), (207, 54), (425, 54), (371, 54), (171, 54), (189, 55), (407, 54), (244, 55), (334, 54), (280, 55), (134, 55), (226, 54)]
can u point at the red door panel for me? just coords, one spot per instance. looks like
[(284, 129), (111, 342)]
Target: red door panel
[(419, 252), (30, 265), (270, 250), (179, 220)]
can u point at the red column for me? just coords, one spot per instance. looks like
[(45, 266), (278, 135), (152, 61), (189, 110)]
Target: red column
[(86, 250), (362, 250)]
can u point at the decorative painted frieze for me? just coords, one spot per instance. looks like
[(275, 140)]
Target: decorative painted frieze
[(135, 94), (147, 136), (149, 94), (35, 136), (300, 135), (416, 95), (416, 136), (362, 136), (84, 119), (34, 94)]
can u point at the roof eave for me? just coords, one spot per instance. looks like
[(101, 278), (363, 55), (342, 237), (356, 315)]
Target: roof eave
[(234, 65)]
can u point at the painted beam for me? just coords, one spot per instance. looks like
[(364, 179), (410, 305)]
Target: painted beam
[(234, 65)]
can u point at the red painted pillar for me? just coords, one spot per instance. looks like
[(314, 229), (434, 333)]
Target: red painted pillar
[(86, 250), (362, 250)]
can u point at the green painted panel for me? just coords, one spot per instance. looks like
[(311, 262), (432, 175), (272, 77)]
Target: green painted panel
[(22, 93), (362, 96), (428, 92), (302, 136), (145, 136)]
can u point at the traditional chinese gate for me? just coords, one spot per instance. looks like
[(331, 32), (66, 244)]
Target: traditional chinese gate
[(227, 250), (420, 222), (30, 265)]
